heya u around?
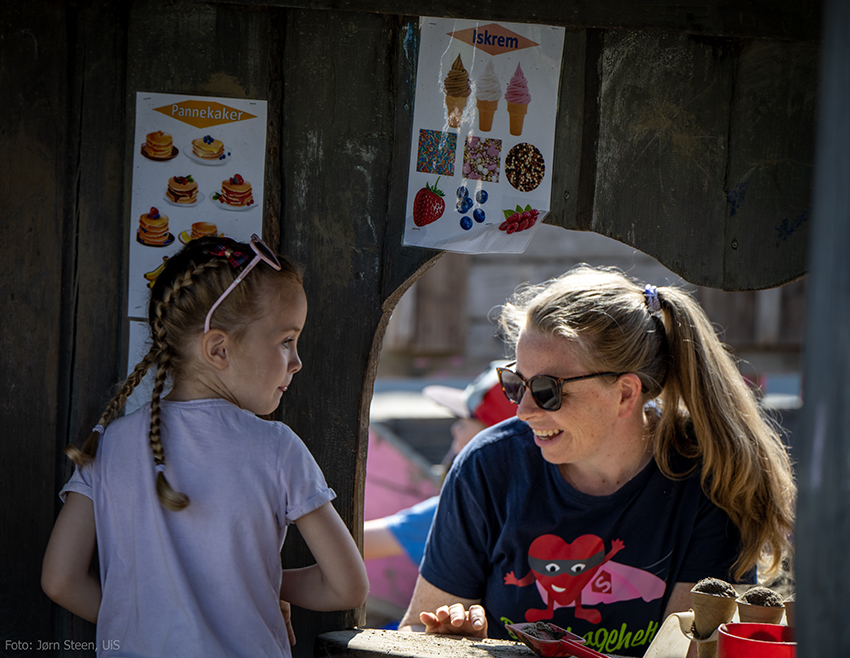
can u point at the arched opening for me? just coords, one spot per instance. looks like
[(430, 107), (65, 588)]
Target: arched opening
[(443, 332)]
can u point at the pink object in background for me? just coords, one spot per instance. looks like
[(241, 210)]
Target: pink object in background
[(396, 478)]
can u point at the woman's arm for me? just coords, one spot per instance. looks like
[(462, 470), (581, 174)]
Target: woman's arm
[(338, 580), (66, 575), (435, 611), (680, 601)]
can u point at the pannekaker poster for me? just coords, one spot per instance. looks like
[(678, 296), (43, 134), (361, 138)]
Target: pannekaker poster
[(198, 170)]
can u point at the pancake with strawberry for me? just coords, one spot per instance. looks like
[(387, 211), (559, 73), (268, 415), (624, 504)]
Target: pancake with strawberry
[(207, 148), (182, 189), (236, 192), (153, 229), (158, 145)]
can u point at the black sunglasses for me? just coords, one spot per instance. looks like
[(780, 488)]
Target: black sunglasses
[(545, 390)]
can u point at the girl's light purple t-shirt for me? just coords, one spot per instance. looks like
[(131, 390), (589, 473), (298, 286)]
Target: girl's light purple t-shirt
[(203, 581)]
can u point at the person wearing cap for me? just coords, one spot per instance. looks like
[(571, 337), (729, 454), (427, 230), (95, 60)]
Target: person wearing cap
[(477, 407)]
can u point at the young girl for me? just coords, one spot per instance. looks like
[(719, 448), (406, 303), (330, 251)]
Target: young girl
[(188, 499)]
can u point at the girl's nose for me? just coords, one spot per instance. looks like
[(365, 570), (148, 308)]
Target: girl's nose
[(295, 362)]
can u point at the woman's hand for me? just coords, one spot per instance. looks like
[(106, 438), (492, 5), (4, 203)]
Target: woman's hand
[(455, 619), (452, 614)]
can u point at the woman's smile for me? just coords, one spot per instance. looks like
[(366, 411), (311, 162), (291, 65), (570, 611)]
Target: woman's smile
[(546, 435)]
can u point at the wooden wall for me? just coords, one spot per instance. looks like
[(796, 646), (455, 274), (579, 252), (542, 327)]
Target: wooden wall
[(662, 118)]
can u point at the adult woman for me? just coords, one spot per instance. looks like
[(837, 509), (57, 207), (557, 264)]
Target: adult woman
[(638, 463)]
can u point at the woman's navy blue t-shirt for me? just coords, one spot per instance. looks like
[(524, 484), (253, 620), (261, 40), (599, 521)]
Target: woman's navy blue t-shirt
[(513, 533)]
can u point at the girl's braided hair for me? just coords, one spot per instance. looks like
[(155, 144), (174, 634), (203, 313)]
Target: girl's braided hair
[(191, 282)]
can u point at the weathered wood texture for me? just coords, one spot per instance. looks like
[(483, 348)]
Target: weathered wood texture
[(62, 81), (33, 319), (688, 164), (340, 163), (823, 525), (779, 19)]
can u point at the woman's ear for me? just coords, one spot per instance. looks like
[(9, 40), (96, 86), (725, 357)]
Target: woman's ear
[(630, 393), (216, 349)]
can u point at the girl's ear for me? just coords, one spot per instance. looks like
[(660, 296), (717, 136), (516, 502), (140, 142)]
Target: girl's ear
[(216, 348)]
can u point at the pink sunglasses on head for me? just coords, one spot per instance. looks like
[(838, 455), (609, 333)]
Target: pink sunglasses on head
[(262, 253)]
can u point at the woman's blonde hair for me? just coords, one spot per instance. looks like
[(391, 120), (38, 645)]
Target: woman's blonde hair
[(183, 293), (708, 412)]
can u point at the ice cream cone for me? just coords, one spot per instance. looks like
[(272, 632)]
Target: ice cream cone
[(517, 112), (486, 110), (760, 614), (455, 105)]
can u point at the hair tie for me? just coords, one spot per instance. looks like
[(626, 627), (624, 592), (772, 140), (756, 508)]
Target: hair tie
[(160, 468), (98, 428), (652, 301)]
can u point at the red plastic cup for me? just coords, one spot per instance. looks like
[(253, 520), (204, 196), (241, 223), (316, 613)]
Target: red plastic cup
[(756, 641)]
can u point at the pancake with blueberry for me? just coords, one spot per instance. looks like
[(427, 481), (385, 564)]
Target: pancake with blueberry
[(207, 148)]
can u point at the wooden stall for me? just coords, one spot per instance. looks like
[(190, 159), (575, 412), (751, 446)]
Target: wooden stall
[(685, 130)]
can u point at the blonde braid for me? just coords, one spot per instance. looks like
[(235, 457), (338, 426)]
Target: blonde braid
[(87, 454), (170, 499)]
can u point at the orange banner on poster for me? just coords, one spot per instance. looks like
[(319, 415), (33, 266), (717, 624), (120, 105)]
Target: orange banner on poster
[(203, 114), (493, 39)]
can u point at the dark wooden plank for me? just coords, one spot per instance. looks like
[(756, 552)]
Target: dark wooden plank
[(34, 304), (771, 159), (95, 296), (197, 48), (792, 319), (577, 111), (401, 265), (340, 111), (661, 156), (779, 19), (823, 444)]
